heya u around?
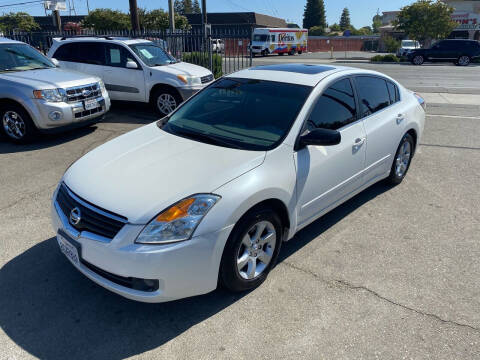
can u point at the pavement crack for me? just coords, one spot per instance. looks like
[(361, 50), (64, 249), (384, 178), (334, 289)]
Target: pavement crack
[(31, 195), (350, 286)]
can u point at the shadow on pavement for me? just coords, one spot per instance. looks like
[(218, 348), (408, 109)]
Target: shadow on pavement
[(123, 112), (52, 311)]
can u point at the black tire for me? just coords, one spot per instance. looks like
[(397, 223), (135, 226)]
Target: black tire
[(300, 52), (30, 131), (291, 52), (229, 276), (418, 60), (463, 60), (281, 54), (395, 178), (265, 53), (164, 91)]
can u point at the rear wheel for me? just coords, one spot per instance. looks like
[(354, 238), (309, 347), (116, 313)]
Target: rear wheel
[(291, 52), (164, 100), (402, 160), (17, 124), (463, 60), (251, 250), (418, 60), (300, 52)]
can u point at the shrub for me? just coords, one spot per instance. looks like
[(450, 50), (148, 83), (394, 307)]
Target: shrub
[(385, 58), (201, 58), (391, 44)]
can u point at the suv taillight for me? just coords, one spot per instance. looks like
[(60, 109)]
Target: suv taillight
[(421, 101)]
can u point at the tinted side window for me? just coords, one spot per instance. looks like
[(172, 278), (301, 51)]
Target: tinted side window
[(373, 94), (117, 55), (90, 53), (66, 52), (393, 92), (335, 108)]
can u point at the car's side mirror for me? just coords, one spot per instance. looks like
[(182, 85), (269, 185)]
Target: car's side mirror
[(321, 137), (55, 62), (131, 65)]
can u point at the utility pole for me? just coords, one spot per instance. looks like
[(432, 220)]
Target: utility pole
[(57, 21), (171, 15), (88, 8), (134, 16), (207, 32)]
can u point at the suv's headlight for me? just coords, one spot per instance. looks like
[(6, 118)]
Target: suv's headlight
[(179, 221), (190, 80), (52, 95)]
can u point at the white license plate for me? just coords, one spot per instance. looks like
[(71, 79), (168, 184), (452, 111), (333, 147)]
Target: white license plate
[(68, 250), (90, 104)]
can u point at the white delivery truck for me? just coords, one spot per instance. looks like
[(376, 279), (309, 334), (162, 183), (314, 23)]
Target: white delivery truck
[(279, 41)]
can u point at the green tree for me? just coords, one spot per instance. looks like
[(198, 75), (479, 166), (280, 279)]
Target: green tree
[(196, 7), (316, 31), (19, 21), (107, 19), (335, 28), (178, 7), (426, 20), (391, 44), (314, 15), (158, 20), (187, 6), (376, 23), (345, 20)]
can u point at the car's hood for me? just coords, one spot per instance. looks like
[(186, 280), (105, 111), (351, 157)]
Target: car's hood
[(141, 173), (183, 68), (50, 78)]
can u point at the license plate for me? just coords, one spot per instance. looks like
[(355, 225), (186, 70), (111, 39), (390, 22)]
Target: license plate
[(68, 249), (90, 104)]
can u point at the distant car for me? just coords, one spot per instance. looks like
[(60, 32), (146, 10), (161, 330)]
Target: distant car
[(133, 69), (207, 195), (460, 52), (407, 46), (35, 95)]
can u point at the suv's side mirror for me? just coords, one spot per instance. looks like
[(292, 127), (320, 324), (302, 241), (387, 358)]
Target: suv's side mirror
[(131, 65), (55, 62), (321, 137)]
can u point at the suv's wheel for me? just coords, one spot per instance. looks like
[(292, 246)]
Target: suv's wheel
[(165, 100), (251, 250), (17, 124), (402, 160), (265, 52), (463, 60), (418, 60)]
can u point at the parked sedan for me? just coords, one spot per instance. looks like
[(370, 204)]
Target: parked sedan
[(207, 195), (460, 52)]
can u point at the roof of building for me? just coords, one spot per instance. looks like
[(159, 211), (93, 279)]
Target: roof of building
[(238, 18)]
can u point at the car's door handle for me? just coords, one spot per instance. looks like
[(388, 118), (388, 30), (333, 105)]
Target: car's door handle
[(400, 118), (359, 142)]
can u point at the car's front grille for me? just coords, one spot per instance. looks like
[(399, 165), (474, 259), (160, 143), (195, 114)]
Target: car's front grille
[(207, 79), (85, 92), (84, 113), (92, 219)]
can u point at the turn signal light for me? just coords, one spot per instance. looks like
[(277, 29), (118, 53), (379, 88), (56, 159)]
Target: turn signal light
[(177, 211)]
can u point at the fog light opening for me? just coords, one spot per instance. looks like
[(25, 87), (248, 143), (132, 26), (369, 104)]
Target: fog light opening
[(55, 115)]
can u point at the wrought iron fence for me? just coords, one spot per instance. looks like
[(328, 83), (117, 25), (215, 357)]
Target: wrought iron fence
[(223, 52)]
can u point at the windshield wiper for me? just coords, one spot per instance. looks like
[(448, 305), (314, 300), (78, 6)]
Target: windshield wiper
[(208, 138)]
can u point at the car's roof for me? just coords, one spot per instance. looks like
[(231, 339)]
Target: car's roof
[(301, 74), (114, 39), (9, 41)]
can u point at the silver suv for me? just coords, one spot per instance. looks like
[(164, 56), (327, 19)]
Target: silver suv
[(37, 96)]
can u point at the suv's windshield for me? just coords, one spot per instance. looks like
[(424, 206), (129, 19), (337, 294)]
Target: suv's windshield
[(152, 55), (240, 113), (21, 57), (409, 43), (260, 38)]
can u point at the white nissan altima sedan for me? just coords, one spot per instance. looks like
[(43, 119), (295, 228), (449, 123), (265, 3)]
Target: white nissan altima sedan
[(207, 195)]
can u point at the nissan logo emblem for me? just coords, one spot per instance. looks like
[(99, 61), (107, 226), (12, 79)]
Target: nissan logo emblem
[(75, 216), (86, 93)]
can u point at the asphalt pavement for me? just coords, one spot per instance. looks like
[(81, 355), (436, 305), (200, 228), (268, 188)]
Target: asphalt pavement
[(391, 274)]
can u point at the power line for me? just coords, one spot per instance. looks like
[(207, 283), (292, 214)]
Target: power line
[(22, 3)]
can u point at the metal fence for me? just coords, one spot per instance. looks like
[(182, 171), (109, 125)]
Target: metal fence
[(223, 52)]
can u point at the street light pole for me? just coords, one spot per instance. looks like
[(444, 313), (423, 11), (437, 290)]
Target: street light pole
[(171, 15), (134, 16)]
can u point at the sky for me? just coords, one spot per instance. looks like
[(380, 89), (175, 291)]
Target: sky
[(361, 11)]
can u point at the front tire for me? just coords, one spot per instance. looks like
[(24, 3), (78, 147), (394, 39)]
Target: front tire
[(418, 60), (251, 250), (402, 160), (463, 60), (164, 100), (17, 124)]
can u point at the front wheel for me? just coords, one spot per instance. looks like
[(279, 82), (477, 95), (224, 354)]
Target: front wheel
[(463, 60), (418, 60), (17, 124), (251, 250), (165, 100), (402, 160)]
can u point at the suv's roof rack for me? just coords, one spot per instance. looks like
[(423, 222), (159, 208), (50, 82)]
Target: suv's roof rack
[(107, 37)]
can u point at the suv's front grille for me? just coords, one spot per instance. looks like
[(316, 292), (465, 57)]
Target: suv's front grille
[(85, 92), (207, 79), (92, 219)]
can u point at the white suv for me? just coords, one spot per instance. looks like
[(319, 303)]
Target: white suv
[(132, 69)]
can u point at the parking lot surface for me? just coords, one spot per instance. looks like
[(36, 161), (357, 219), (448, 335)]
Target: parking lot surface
[(392, 273)]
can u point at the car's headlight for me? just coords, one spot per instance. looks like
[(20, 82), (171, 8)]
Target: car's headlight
[(52, 95), (190, 80), (179, 221), (102, 86)]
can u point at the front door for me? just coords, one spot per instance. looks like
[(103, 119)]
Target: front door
[(328, 174)]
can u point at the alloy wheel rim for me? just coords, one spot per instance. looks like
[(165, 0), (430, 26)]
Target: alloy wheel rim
[(418, 60), (14, 125), (464, 60), (166, 103), (256, 250), (403, 159)]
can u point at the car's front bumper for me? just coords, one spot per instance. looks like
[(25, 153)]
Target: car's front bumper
[(188, 92), (182, 269)]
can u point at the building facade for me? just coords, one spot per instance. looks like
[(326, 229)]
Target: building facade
[(467, 15)]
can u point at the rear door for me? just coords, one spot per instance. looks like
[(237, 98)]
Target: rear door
[(84, 56), (384, 118)]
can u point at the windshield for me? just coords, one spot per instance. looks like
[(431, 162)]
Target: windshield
[(409, 43), (262, 38), (152, 55), (21, 57), (240, 113)]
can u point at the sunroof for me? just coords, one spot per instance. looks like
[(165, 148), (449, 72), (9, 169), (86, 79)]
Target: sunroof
[(295, 68)]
